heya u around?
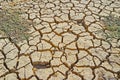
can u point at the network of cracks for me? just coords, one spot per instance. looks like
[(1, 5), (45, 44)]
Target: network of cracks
[(65, 44)]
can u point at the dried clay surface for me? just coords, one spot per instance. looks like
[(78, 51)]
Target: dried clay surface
[(67, 42)]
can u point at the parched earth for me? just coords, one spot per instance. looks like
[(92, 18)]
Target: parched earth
[(66, 43)]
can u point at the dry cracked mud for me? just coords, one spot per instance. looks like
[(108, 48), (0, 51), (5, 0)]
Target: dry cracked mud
[(65, 42)]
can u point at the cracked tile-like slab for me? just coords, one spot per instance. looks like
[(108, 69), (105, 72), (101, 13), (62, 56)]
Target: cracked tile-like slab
[(67, 42)]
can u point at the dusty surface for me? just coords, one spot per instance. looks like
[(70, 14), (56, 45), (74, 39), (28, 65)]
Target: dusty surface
[(65, 43)]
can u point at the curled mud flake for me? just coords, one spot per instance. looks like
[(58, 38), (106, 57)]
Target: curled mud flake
[(41, 65)]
